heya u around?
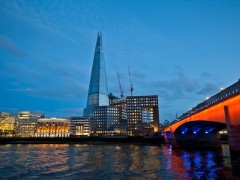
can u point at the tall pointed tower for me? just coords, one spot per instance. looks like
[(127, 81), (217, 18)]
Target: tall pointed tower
[(98, 91)]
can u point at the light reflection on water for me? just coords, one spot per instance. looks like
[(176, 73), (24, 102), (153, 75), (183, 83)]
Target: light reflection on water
[(111, 161)]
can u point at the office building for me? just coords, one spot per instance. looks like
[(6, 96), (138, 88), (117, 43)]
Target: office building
[(106, 121), (98, 91), (79, 126), (142, 115), (122, 104), (26, 123)]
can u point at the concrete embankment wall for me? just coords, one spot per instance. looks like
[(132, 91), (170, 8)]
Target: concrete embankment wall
[(79, 140)]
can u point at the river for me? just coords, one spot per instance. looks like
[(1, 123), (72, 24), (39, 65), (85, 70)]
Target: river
[(111, 161)]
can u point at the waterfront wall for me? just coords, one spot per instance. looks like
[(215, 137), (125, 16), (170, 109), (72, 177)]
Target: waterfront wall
[(75, 140)]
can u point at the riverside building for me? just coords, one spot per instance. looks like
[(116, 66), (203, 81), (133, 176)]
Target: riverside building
[(7, 124), (53, 127), (142, 115), (122, 104), (106, 121), (26, 123), (79, 126)]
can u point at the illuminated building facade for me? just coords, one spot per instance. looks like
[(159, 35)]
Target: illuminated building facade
[(26, 123), (122, 104), (80, 126), (53, 127), (106, 120), (7, 124), (142, 115), (98, 91), (4, 115)]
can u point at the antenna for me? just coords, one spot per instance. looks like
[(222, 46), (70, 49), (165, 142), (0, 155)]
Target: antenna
[(131, 84), (121, 91)]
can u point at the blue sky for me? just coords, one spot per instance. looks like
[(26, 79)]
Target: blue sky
[(182, 51)]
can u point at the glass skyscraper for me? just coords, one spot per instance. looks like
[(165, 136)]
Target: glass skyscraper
[(98, 91)]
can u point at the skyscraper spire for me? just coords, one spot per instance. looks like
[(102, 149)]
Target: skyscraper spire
[(98, 91)]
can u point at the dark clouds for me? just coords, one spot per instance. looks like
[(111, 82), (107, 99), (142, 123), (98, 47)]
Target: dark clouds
[(208, 88), (177, 86), (177, 91)]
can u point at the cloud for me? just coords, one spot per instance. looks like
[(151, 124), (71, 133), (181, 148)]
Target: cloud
[(208, 89), (47, 79), (205, 75), (179, 72), (11, 48), (49, 92), (138, 75), (177, 87), (27, 90)]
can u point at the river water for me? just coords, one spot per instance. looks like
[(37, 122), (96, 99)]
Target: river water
[(111, 161)]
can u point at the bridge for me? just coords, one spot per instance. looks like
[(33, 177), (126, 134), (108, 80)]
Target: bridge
[(199, 127)]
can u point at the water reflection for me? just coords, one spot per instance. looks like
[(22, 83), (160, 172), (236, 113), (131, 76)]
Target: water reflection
[(111, 162)]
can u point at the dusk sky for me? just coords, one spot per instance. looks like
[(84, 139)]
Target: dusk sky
[(182, 51)]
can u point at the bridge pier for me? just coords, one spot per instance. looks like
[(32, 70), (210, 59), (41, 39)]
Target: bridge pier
[(196, 144), (192, 141), (209, 141), (234, 143)]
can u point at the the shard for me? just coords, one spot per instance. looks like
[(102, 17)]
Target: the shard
[(98, 91)]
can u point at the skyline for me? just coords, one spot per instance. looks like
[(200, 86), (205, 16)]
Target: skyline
[(181, 51)]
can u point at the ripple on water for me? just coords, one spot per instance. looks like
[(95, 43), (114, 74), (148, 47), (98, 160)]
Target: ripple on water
[(46, 161)]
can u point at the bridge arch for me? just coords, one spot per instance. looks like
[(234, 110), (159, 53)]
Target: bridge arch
[(199, 127), (213, 113)]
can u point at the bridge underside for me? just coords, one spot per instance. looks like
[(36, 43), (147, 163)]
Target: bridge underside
[(196, 134), (195, 130), (199, 128)]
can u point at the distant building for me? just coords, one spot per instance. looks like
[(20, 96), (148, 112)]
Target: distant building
[(106, 120), (29, 114), (26, 123), (53, 127), (4, 115), (142, 115), (80, 126), (98, 91), (7, 124)]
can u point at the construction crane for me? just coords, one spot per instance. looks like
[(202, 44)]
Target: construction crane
[(121, 91), (131, 84)]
